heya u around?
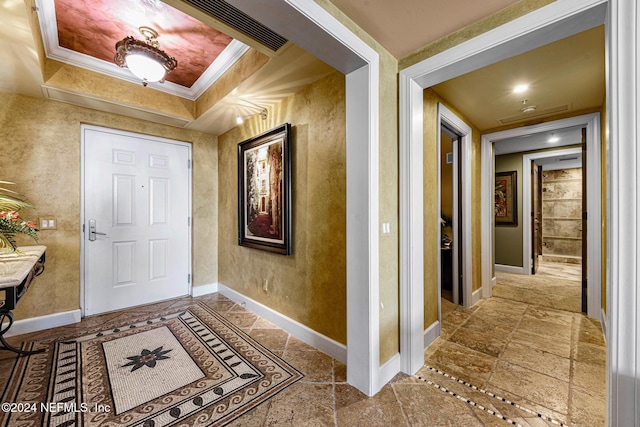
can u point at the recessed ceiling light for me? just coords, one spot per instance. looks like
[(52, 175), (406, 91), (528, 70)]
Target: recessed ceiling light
[(520, 88), (553, 138)]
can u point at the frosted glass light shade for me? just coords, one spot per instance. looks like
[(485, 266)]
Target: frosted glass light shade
[(144, 59), (145, 68)]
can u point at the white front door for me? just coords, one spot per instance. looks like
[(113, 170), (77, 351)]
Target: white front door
[(136, 219)]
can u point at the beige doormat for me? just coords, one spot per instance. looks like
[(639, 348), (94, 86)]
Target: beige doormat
[(185, 368)]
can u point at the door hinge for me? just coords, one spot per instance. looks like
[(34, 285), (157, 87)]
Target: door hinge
[(83, 228), (189, 221), (189, 164), (584, 216), (188, 278)]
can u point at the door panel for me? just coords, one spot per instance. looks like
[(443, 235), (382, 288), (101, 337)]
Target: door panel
[(136, 189)]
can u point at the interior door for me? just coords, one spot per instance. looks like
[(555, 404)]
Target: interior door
[(584, 220), (536, 215), (136, 220)]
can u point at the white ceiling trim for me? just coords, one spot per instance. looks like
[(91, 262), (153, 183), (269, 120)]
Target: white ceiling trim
[(95, 103), (49, 29)]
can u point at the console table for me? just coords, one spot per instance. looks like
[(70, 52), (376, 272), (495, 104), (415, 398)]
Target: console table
[(17, 271)]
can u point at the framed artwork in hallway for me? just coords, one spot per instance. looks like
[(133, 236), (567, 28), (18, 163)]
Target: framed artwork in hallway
[(264, 191), (506, 198)]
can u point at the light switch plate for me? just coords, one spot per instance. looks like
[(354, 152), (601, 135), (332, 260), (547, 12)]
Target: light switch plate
[(47, 223)]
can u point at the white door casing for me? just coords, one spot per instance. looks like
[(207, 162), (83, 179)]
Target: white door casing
[(136, 190), (462, 160), (594, 231), (623, 221)]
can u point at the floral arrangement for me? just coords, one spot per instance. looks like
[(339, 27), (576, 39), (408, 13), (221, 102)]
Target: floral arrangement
[(10, 221)]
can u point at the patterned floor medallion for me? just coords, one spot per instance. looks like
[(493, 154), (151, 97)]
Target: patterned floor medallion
[(187, 368)]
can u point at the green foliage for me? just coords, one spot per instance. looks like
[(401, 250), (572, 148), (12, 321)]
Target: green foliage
[(10, 221)]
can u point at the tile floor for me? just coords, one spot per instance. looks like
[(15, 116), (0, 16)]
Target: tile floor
[(541, 359), (564, 270), (555, 285)]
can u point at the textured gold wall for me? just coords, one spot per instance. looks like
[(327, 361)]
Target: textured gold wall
[(431, 217), (389, 243), (41, 143), (388, 152), (310, 285), (80, 80)]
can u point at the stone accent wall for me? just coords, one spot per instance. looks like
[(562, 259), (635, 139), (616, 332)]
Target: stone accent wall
[(562, 215)]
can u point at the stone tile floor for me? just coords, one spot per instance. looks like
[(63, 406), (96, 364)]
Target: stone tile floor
[(565, 270), (555, 285), (543, 360)]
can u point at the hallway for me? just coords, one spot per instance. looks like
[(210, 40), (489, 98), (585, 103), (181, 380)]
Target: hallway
[(556, 285)]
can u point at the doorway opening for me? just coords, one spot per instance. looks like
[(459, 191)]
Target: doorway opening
[(450, 216), (507, 41), (538, 257), (455, 222), (589, 140)]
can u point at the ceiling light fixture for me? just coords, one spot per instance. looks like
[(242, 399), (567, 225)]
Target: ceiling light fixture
[(553, 139), (263, 115), (520, 88), (527, 108), (245, 104), (143, 58)]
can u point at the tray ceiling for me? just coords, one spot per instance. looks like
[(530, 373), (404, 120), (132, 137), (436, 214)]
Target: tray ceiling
[(84, 33)]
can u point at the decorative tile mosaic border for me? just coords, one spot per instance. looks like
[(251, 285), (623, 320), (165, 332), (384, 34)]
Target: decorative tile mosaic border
[(488, 393)]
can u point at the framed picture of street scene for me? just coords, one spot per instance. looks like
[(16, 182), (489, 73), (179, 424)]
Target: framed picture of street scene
[(264, 191)]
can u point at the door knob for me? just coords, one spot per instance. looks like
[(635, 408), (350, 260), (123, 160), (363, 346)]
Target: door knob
[(92, 230)]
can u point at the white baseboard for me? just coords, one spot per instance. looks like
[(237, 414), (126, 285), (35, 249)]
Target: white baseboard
[(209, 288), (510, 269), (431, 333), (327, 345), (603, 322), (389, 370), (35, 324), (494, 280), (475, 296)]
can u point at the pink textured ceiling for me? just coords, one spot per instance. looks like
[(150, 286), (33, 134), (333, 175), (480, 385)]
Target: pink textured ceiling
[(93, 27)]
